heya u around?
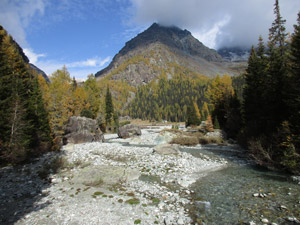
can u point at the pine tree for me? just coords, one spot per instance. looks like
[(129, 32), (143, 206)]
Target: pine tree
[(216, 123), (253, 94), (293, 100), (109, 108), (24, 124), (192, 119), (275, 111)]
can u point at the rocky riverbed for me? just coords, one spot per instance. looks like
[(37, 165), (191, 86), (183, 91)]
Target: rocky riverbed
[(139, 180)]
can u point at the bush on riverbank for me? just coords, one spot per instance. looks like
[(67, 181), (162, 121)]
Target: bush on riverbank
[(190, 139)]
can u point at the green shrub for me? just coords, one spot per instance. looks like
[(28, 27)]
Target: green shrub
[(133, 201), (137, 221)]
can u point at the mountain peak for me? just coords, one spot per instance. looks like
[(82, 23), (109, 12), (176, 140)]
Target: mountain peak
[(159, 48), (173, 37)]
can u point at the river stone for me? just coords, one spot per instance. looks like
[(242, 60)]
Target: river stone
[(99, 175), (166, 149), (203, 206), (296, 179), (129, 130), (81, 130)]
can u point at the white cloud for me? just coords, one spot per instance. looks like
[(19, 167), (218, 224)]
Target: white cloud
[(16, 15), (209, 37), (79, 69), (248, 18), (93, 62), (32, 56)]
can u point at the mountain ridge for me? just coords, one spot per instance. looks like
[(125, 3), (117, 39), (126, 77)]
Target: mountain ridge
[(158, 48)]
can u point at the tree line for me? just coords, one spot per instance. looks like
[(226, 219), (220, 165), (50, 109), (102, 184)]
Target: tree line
[(271, 105), (24, 125)]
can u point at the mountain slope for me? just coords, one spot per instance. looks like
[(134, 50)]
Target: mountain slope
[(160, 49)]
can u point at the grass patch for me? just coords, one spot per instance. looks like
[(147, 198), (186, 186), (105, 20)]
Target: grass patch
[(120, 200), (133, 201), (176, 131), (185, 140), (155, 201), (191, 139), (98, 193), (155, 222), (144, 205), (210, 140), (131, 194), (137, 221)]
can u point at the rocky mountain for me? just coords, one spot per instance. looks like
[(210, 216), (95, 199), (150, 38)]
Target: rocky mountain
[(39, 71), (25, 58), (235, 54), (160, 48)]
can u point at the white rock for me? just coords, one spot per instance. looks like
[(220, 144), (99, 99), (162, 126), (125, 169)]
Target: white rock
[(264, 220)]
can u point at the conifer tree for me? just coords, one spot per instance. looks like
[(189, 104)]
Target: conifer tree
[(253, 94), (192, 119), (24, 124), (109, 108), (275, 111), (293, 100)]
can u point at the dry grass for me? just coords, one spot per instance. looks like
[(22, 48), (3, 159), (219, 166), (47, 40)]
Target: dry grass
[(185, 140), (190, 139), (172, 131)]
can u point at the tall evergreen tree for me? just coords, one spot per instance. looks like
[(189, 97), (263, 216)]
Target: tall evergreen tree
[(293, 100), (277, 73), (192, 118), (24, 124), (253, 94), (109, 108)]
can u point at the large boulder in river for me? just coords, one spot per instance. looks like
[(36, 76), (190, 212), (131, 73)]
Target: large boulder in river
[(129, 130), (81, 130)]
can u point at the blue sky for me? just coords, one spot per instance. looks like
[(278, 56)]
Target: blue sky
[(84, 35)]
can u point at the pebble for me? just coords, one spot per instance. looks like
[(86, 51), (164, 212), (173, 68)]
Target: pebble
[(64, 202), (283, 207), (264, 220), (293, 219)]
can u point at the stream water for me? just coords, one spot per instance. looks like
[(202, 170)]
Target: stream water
[(241, 192), (227, 196)]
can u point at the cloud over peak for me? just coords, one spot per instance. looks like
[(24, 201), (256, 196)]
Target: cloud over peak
[(217, 23)]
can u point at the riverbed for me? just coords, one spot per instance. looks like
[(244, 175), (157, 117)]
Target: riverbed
[(130, 181)]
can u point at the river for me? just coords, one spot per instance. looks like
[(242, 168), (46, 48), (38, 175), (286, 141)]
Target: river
[(229, 194)]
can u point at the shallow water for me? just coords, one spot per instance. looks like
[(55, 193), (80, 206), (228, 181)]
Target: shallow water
[(230, 193)]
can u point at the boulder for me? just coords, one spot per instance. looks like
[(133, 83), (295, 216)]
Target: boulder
[(81, 130), (128, 131), (166, 149)]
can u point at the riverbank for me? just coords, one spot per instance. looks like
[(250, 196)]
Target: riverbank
[(140, 180)]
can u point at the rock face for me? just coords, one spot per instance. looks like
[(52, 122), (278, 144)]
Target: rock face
[(128, 131), (81, 129), (164, 48)]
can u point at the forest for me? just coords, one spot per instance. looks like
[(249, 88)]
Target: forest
[(260, 108)]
